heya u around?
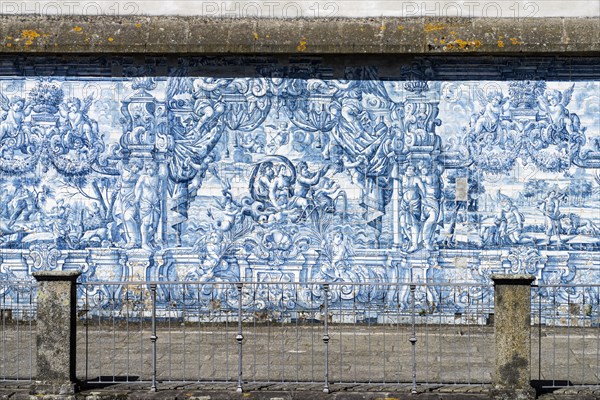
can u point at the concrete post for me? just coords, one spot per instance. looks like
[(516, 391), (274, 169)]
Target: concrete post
[(56, 332), (512, 331)]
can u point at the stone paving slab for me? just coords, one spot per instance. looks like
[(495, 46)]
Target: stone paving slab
[(19, 391)]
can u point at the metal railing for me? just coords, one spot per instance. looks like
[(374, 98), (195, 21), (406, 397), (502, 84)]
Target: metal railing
[(285, 332), (566, 335), (245, 333), (17, 330)]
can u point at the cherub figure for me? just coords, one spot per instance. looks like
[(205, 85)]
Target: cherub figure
[(494, 105), (252, 142), (554, 104), (340, 250), (214, 252), (16, 111), (77, 123)]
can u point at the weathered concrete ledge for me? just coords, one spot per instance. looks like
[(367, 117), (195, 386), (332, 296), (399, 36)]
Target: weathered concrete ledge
[(387, 35)]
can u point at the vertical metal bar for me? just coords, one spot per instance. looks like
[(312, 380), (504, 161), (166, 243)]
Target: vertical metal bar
[(256, 335), (215, 316), (281, 302), (114, 334), (384, 325), (413, 340), (297, 336), (597, 340), (18, 360), (31, 340), (326, 334), (466, 320), (87, 329), (539, 337), (240, 338), (141, 313), (199, 305), (443, 292), (4, 313), (340, 312), (568, 338), (398, 319), (369, 301), (153, 338), (312, 337), (268, 337), (184, 327), (169, 309), (354, 334), (227, 322), (128, 349), (554, 319), (582, 319), (99, 335), (184, 320)]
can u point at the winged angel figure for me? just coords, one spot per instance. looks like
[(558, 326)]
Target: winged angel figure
[(77, 125), (14, 113), (554, 104), (486, 123)]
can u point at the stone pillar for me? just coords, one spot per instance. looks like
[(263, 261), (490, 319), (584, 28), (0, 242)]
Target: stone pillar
[(56, 332), (512, 330)]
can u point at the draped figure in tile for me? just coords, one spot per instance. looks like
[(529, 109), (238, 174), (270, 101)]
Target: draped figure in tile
[(147, 196), (129, 206)]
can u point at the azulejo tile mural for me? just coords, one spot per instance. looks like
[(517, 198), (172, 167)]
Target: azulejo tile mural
[(224, 170)]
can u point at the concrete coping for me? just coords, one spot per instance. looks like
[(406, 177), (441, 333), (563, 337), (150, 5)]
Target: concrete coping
[(70, 276), (385, 35), (513, 279)]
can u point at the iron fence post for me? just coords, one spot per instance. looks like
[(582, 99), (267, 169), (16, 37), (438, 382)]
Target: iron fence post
[(240, 338), (153, 338), (413, 340), (326, 334)]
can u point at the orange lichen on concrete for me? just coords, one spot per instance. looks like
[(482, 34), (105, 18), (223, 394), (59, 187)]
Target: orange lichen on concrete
[(515, 41), (29, 35), (78, 29), (255, 34), (434, 27), (459, 44), (110, 39), (500, 43), (302, 45)]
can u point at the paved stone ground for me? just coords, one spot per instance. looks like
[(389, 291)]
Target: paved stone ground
[(120, 356), (16, 391)]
